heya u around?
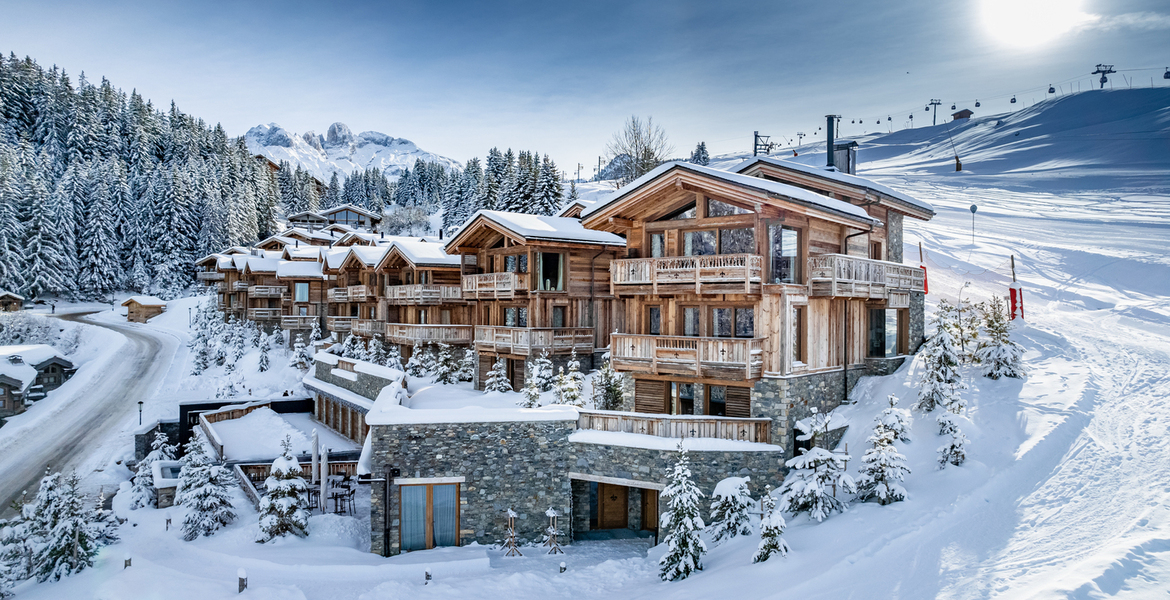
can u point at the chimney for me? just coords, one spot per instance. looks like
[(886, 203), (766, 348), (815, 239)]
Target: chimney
[(830, 121)]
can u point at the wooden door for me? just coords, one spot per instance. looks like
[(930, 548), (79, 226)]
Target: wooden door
[(650, 510), (613, 510)]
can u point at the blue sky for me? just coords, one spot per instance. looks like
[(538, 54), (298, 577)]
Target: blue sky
[(458, 78)]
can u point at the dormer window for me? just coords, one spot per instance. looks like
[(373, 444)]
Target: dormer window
[(16, 359)]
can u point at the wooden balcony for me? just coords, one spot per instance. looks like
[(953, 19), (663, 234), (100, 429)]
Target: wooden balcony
[(367, 327), (722, 358), (494, 286), (339, 323), (239, 286), (339, 294), (534, 340), (267, 291), (716, 274), (678, 426), (221, 287), (403, 333), (419, 294), (298, 321), (209, 276), (361, 293), (263, 314), (838, 275)]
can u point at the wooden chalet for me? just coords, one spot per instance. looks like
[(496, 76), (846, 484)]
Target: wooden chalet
[(303, 276), (731, 277), (355, 293), (352, 216), (535, 285), (422, 300), (28, 373), (263, 293), (10, 302), (140, 309)]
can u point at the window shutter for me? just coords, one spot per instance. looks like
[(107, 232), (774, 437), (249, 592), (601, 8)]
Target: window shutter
[(650, 396), (739, 402)]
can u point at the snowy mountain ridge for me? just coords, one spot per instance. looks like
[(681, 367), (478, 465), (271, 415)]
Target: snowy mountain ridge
[(339, 150)]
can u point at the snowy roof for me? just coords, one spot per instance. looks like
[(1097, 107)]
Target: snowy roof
[(369, 255), (338, 227), (282, 239), (539, 227), (334, 256), (838, 176), (302, 252), (299, 269), (257, 264), (145, 301), (799, 195), (356, 209), (583, 204), (426, 253), (307, 214), (8, 293), (31, 355)]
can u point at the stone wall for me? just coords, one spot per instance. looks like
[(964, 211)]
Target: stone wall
[(917, 320), (894, 235), (366, 385), (143, 438), (521, 466)]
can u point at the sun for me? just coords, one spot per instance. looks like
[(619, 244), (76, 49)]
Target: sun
[(1024, 23)]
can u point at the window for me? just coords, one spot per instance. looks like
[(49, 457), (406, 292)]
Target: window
[(883, 332), (422, 316), (721, 319), (716, 208), (424, 277), (430, 516), (353, 310), (875, 250), (737, 241), (686, 212), (445, 317), (302, 291), (303, 311), (516, 317), (510, 264), (654, 320), (745, 322), (550, 265), (657, 245), (699, 243), (682, 398), (717, 400), (733, 322), (691, 321), (798, 330), (558, 316), (785, 249)]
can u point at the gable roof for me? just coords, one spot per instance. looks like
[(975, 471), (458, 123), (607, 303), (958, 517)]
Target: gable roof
[(299, 269), (258, 264), (790, 193), (833, 174), (529, 228), (357, 209), (144, 301), (4, 293), (367, 256), (32, 358), (422, 254)]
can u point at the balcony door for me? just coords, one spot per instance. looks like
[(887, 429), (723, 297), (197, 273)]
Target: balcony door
[(429, 516)]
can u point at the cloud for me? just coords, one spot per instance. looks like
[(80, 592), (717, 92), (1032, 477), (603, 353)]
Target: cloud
[(1139, 21)]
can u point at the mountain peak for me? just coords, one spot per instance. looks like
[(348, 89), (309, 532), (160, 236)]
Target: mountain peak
[(338, 135), (339, 150)]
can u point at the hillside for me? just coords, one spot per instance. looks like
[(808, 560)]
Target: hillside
[(339, 150)]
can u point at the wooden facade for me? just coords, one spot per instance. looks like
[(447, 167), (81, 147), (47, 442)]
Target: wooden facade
[(140, 309)]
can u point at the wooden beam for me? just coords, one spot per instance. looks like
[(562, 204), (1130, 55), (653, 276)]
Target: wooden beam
[(620, 222)]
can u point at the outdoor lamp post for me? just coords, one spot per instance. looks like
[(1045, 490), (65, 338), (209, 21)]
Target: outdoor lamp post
[(139, 412)]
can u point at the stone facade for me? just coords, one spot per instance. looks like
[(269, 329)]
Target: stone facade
[(917, 320), (894, 235), (144, 437), (363, 384), (518, 465)]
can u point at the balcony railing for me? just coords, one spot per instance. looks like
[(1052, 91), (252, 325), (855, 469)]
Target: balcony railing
[(533, 340), (724, 358), (267, 291), (360, 293), (701, 272), (423, 294), (298, 321), (221, 287), (494, 285), (339, 323), (669, 426), (403, 333), (209, 276), (239, 286), (838, 275), (366, 327), (263, 314), (338, 295)]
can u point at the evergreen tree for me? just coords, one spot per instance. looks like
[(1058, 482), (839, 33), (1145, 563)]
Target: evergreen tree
[(100, 262), (531, 393), (314, 335), (377, 351), (277, 338), (467, 366), (162, 447), (194, 458), (771, 530), (730, 503), (542, 369), (608, 388), (497, 379), (264, 355), (142, 492), (302, 356), (207, 496), (812, 481), (574, 371), (44, 259), (883, 469), (446, 367), (72, 537), (699, 156), (283, 510), (954, 452), (999, 355), (940, 379), (895, 420), (394, 357), (568, 391), (549, 194), (682, 523)]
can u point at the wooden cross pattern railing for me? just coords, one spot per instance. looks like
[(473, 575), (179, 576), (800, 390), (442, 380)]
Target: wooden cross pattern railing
[(494, 285), (852, 276), (420, 293), (405, 333), (677, 426), (697, 270), (526, 340), (683, 355)]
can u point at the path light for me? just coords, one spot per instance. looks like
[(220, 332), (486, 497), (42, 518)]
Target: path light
[(563, 567), (243, 575), (126, 562), (139, 412)]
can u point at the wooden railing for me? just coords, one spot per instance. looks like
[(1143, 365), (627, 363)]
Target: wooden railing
[(360, 293), (298, 321), (695, 356), (221, 287), (366, 327), (209, 276), (404, 333), (267, 291), (495, 285), (838, 275), (530, 340), (680, 426), (699, 271), (263, 314), (239, 286), (423, 294), (339, 323), (339, 294)]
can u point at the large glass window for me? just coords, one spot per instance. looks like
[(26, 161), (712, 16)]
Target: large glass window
[(558, 316), (785, 249), (430, 516), (682, 398), (699, 243), (686, 212), (717, 400), (655, 320), (737, 241), (301, 290), (551, 267), (745, 322), (716, 208), (733, 322), (883, 332), (657, 245), (691, 320), (721, 320)]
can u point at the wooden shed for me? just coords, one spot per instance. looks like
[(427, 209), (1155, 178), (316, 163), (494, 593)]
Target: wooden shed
[(141, 308), (10, 302), (966, 113)]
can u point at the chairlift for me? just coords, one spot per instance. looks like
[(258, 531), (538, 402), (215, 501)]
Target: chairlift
[(890, 119), (977, 105), (1013, 99), (952, 107), (927, 108), (1051, 90), (1166, 75)]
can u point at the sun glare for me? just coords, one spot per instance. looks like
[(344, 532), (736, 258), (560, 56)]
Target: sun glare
[(1025, 23)]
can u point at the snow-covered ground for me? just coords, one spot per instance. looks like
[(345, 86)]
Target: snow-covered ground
[(1065, 492)]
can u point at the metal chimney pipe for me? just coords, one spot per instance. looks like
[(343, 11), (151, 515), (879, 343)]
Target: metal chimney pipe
[(830, 121)]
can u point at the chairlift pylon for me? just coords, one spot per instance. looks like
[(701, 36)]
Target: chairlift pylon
[(1051, 90)]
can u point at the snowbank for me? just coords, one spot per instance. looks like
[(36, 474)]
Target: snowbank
[(653, 442)]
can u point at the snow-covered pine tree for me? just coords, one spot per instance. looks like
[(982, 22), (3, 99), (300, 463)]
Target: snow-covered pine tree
[(999, 355), (567, 390), (283, 510), (314, 335), (73, 537), (100, 263), (394, 357), (608, 390), (278, 339), (302, 357), (813, 480), (573, 370), (531, 393), (162, 447), (549, 194), (44, 259), (416, 366), (954, 452), (682, 523), (207, 495), (194, 458), (497, 379), (700, 156), (349, 347), (730, 503), (771, 530), (446, 366), (264, 348), (18, 544), (542, 369), (940, 379), (467, 365), (883, 469), (896, 420), (376, 351)]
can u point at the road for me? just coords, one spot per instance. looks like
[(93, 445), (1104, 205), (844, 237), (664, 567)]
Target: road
[(70, 439)]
